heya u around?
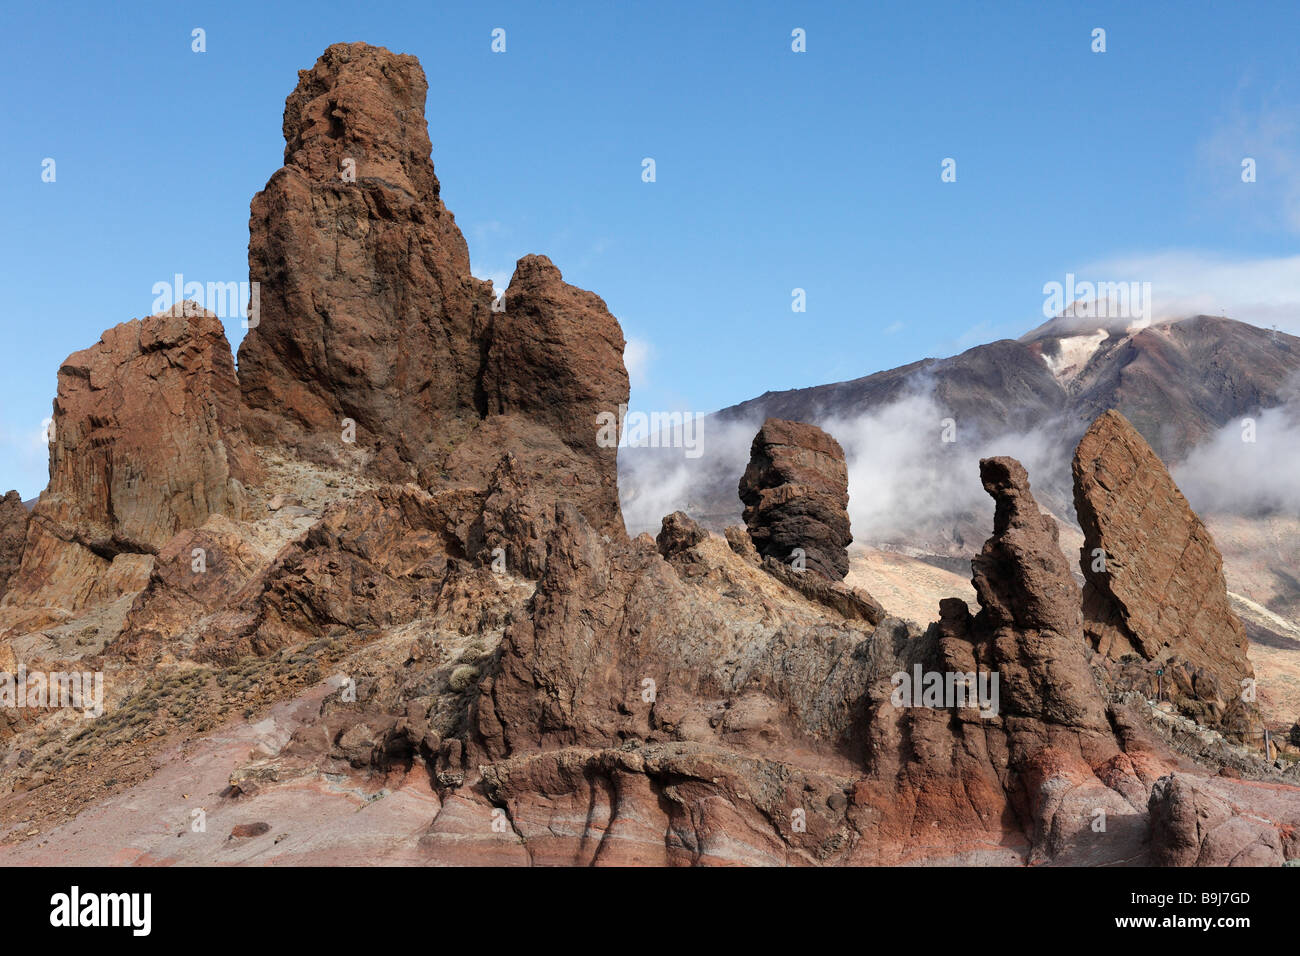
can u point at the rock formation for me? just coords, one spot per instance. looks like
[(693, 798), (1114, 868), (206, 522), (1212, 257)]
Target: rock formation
[(1194, 823), (1154, 580), (796, 496), (444, 649), (1044, 755), (369, 317), (367, 310), (1029, 627), (13, 533), (147, 441), (554, 364)]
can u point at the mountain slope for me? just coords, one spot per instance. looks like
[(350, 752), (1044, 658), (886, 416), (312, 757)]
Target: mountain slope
[(1179, 383)]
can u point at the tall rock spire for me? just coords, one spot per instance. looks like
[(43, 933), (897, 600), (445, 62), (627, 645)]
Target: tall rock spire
[(367, 309), (371, 330)]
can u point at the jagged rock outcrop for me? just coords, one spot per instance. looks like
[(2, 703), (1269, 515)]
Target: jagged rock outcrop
[(1154, 581), (13, 533), (379, 560), (679, 534), (553, 365), (1029, 628), (609, 616), (1042, 754), (369, 313), (690, 698), (147, 441), (796, 496)]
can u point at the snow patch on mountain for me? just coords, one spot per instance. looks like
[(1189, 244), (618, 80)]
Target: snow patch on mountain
[(1070, 355)]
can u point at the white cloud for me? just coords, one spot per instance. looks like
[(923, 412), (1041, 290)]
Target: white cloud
[(636, 356), (1271, 137), (904, 478), (1230, 474), (1263, 292), (500, 278), (905, 483)]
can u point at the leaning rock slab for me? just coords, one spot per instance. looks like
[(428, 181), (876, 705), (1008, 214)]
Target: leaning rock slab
[(1154, 578)]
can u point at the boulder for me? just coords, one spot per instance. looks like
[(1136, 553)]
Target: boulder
[(796, 496)]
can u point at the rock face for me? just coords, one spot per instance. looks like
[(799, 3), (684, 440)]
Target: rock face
[(1154, 579), (147, 441), (642, 697), (367, 307), (369, 313), (796, 496), (1043, 755), (1029, 626), (13, 533), (1193, 825), (554, 363)]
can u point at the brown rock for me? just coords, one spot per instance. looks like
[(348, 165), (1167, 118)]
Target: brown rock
[(371, 562), (241, 831), (197, 572), (679, 533), (1161, 593), (608, 616), (147, 441), (369, 313), (556, 360), (1029, 627), (13, 534), (796, 496), (367, 308), (531, 685), (1193, 826), (953, 776), (739, 541), (852, 603)]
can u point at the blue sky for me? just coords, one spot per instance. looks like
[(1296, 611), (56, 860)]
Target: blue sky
[(775, 170)]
